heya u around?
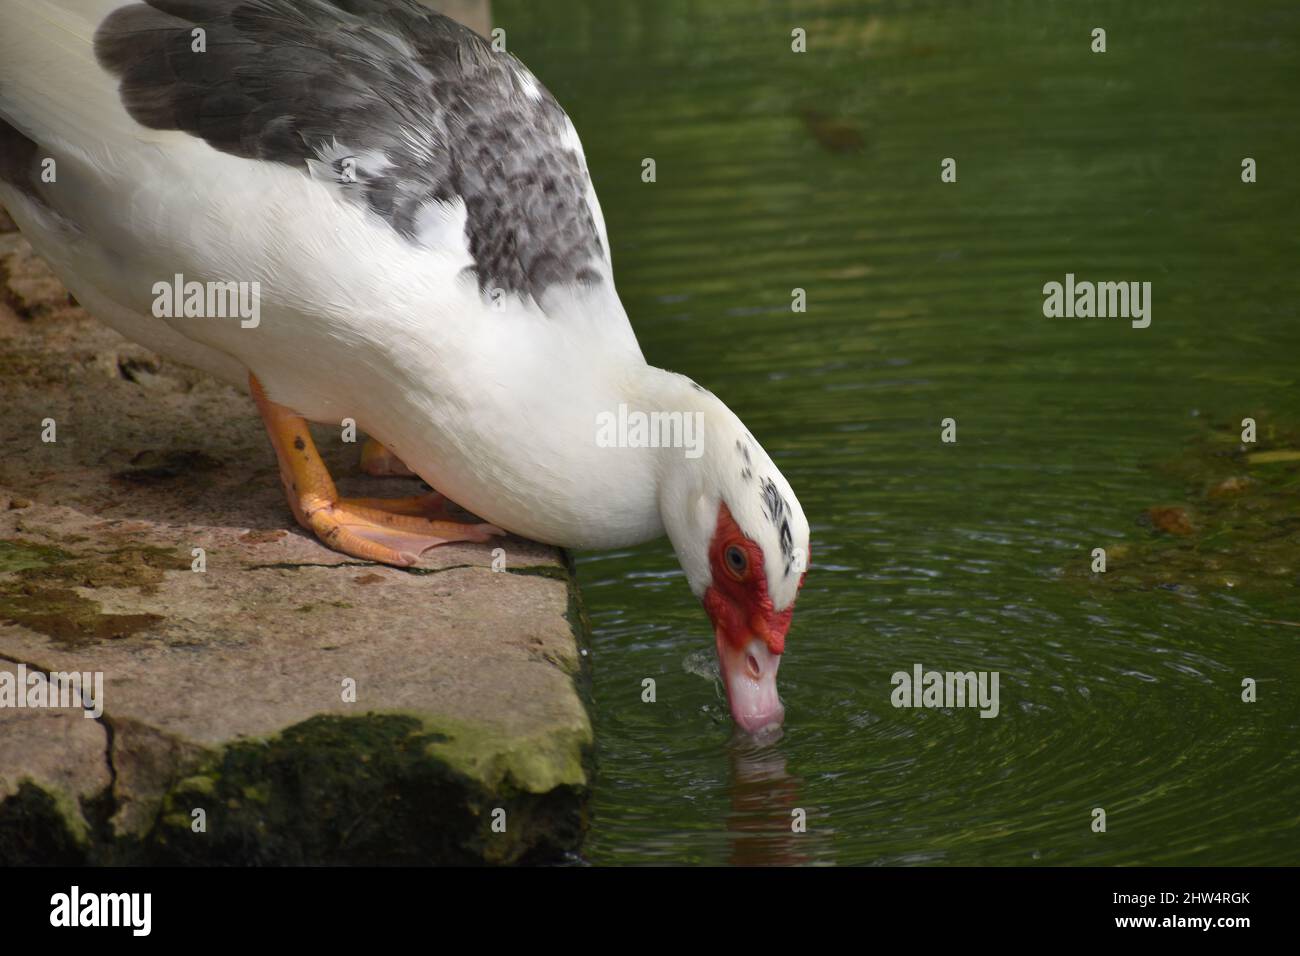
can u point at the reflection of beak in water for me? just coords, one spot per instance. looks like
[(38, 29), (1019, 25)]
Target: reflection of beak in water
[(762, 798)]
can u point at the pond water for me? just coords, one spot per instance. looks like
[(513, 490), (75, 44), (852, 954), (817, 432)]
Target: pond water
[(821, 171)]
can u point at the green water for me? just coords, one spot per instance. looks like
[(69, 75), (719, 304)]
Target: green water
[(821, 171)]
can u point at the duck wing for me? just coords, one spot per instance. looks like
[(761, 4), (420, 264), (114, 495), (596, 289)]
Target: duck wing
[(451, 145)]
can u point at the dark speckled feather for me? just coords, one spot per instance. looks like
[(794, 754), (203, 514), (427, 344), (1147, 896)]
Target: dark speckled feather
[(396, 106), (778, 512)]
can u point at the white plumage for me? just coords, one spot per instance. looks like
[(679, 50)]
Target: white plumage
[(492, 399)]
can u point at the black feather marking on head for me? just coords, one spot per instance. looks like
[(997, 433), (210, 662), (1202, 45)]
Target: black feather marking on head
[(427, 109), (747, 469), (778, 512)]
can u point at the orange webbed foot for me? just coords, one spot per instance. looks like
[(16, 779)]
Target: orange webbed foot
[(392, 531), (357, 527)]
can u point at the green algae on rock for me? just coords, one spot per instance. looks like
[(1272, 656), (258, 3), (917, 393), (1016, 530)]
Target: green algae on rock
[(373, 789), (38, 582)]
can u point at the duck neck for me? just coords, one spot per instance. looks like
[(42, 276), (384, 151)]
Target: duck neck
[(686, 434)]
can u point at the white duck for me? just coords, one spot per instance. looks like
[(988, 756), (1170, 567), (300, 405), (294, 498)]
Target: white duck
[(430, 260)]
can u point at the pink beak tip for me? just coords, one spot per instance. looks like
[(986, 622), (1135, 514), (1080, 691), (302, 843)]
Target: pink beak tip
[(750, 678)]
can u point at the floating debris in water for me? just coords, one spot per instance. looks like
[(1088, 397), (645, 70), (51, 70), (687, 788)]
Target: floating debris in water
[(1272, 457), (1170, 520), (1230, 486), (833, 133), (1235, 531)]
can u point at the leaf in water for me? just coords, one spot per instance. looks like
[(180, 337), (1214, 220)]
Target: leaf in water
[(1170, 521), (1229, 486), (1269, 457)]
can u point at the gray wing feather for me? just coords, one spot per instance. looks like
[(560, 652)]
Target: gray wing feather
[(399, 106)]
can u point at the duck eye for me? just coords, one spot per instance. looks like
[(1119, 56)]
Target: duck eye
[(737, 560)]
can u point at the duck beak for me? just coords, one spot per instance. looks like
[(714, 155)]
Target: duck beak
[(749, 673)]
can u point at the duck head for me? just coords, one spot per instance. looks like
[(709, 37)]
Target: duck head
[(742, 539)]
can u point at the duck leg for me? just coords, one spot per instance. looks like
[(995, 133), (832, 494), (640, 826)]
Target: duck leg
[(379, 461), (432, 505), (392, 532)]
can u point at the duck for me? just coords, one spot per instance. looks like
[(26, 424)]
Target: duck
[(409, 213)]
